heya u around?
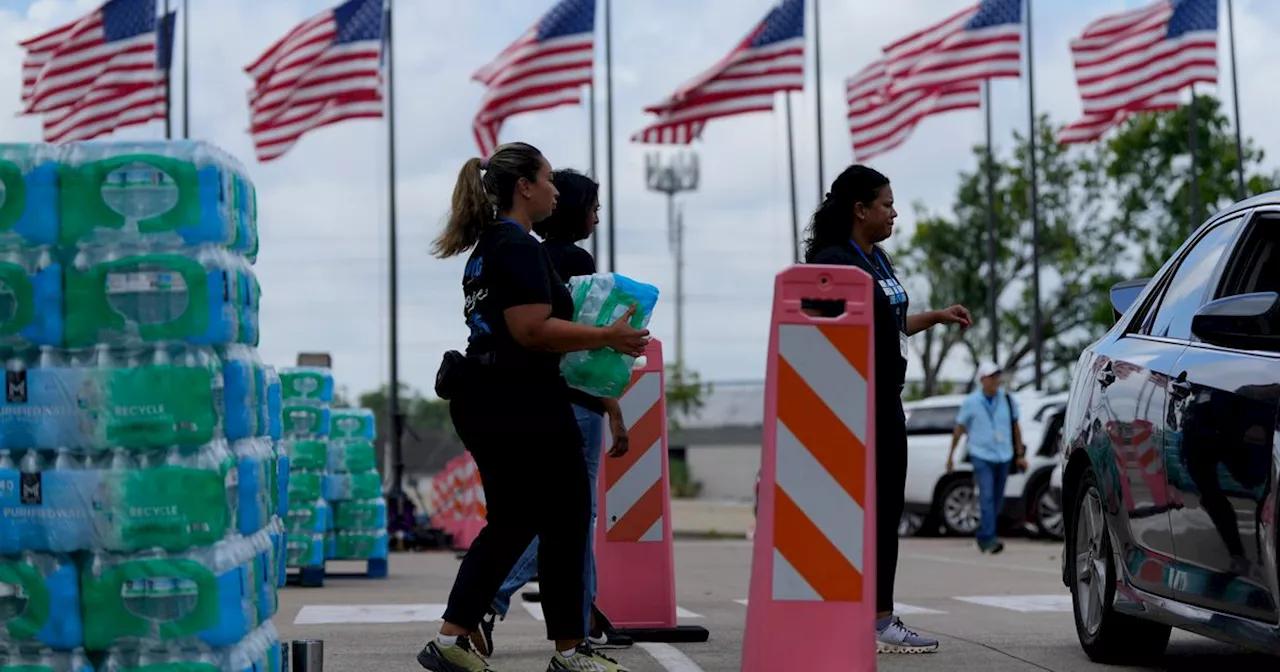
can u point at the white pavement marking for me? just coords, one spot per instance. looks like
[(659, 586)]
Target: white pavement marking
[(681, 612), (898, 608), (983, 564), (1023, 603), (670, 657), (315, 614), (534, 609)]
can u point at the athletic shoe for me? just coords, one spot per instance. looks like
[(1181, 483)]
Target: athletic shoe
[(482, 636), (993, 547), (584, 659), (894, 637), (608, 639), (458, 657)]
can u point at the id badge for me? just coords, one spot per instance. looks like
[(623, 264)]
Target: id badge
[(999, 437), (902, 343)]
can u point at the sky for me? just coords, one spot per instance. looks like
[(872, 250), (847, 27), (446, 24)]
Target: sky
[(324, 206)]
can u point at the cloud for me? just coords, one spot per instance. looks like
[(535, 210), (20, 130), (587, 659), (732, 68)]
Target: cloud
[(323, 265)]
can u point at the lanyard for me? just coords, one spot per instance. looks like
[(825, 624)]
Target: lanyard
[(991, 408), (887, 274), (513, 222)]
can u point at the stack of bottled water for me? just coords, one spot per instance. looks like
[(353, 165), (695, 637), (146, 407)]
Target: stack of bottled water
[(138, 512), (353, 488), (307, 393)]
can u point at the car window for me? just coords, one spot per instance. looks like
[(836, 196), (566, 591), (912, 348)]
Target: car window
[(1255, 263), (932, 420), (1188, 289)]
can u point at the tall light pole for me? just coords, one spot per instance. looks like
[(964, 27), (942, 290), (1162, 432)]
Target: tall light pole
[(676, 174)]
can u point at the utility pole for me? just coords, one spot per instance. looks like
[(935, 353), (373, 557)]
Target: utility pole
[(676, 175)]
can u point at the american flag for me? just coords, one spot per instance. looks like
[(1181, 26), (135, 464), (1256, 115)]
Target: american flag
[(545, 68), (326, 70), (879, 121), (770, 60), (1140, 60), (104, 71), (978, 43)]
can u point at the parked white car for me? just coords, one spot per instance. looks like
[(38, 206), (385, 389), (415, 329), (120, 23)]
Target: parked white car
[(935, 498)]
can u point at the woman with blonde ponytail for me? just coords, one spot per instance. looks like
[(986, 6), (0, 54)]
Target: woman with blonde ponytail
[(513, 410)]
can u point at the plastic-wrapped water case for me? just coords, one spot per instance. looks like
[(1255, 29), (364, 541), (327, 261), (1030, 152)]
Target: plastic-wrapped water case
[(44, 660), (101, 398), (360, 514), (28, 194), (177, 192), (257, 473), (125, 294), (309, 515), (120, 501), (199, 594), (303, 385), (40, 605), (305, 420), (357, 545), (245, 385), (341, 487), (31, 312), (305, 549), (356, 424), (275, 403), (260, 651), (600, 300)]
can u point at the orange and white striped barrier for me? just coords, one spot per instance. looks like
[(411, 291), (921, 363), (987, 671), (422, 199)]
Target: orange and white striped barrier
[(635, 559), (459, 497), (813, 590)]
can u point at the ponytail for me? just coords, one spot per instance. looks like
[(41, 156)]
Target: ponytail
[(470, 212), (484, 188)]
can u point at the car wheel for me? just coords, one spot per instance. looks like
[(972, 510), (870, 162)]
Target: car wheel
[(1046, 511), (1105, 635), (958, 505), (910, 524)]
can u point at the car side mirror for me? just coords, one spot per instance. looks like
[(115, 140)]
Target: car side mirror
[(1244, 321), (1123, 294)]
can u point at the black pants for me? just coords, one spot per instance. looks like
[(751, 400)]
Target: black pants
[(528, 450), (891, 482)]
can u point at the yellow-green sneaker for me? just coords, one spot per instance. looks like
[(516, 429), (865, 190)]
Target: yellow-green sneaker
[(458, 657), (584, 659)]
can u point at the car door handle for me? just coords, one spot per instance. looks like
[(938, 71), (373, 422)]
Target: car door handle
[(1179, 387)]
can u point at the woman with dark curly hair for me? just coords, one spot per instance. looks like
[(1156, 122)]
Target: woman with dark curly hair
[(857, 214)]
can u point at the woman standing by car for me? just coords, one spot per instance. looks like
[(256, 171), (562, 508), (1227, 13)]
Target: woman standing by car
[(857, 214), (512, 409)]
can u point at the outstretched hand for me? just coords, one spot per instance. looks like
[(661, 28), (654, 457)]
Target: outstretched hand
[(956, 314), (626, 339)]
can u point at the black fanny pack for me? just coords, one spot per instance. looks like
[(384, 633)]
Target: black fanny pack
[(456, 368)]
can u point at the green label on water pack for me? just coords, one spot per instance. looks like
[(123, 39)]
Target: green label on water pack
[(167, 507), (308, 455), (154, 406), (112, 613), (352, 457), (305, 487)]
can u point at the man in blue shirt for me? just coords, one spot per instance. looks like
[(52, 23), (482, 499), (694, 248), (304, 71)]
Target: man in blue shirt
[(990, 417)]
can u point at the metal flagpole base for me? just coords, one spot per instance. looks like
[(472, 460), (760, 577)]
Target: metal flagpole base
[(307, 655), (681, 634)]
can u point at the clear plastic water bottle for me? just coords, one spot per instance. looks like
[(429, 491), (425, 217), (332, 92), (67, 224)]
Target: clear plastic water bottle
[(29, 194)]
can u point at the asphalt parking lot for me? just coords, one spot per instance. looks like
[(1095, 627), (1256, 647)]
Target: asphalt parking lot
[(994, 614)]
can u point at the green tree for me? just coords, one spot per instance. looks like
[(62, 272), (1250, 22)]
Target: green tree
[(948, 255), (1148, 163), (417, 409), (686, 395)]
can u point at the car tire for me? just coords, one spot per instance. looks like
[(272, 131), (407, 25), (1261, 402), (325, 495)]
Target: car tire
[(958, 507), (1045, 512), (1107, 636)]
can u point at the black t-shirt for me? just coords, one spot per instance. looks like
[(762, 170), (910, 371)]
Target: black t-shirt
[(569, 261), (889, 311), (510, 268)]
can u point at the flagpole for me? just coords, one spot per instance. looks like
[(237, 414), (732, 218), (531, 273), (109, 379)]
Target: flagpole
[(1192, 150), (591, 144), (817, 95), (991, 231), (186, 70), (168, 72), (393, 389), (608, 131), (1037, 334), (791, 170), (1235, 95)]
